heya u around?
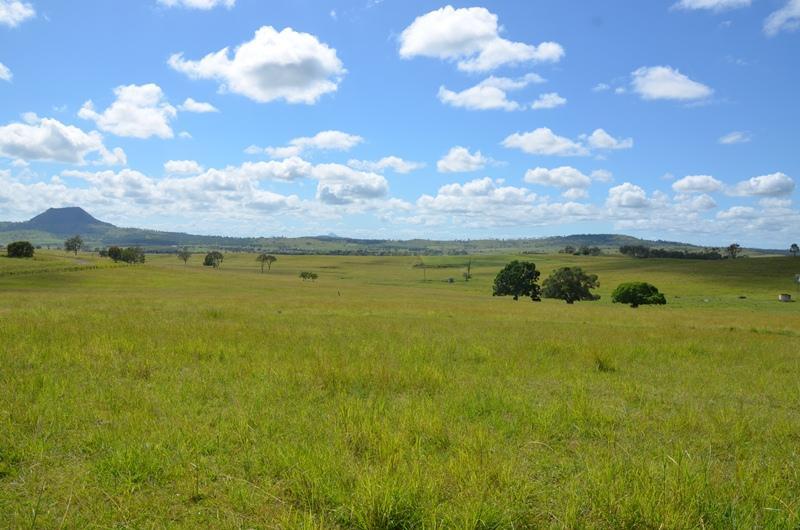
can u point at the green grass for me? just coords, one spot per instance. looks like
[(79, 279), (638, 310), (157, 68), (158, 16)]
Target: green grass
[(167, 395)]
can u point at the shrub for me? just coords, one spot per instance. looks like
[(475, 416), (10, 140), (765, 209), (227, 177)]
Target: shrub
[(20, 249), (518, 278), (132, 255), (570, 284), (637, 293), (213, 259), (308, 276)]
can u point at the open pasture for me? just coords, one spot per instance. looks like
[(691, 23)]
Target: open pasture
[(382, 396)]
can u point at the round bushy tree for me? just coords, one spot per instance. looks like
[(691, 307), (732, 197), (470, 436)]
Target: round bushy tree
[(518, 278), (20, 249), (637, 293), (570, 284), (213, 259)]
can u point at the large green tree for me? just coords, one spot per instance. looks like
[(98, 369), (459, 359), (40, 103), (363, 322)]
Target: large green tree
[(570, 284), (637, 293), (516, 279)]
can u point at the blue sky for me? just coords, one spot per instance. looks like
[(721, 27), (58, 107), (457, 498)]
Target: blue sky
[(406, 118)]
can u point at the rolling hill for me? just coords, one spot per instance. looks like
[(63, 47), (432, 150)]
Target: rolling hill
[(50, 228)]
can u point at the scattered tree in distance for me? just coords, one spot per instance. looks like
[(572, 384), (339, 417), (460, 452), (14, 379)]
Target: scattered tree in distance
[(308, 276), (213, 259), (734, 250), (794, 250), (73, 244), (266, 259), (184, 255)]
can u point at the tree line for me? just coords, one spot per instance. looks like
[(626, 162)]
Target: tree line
[(570, 284), (643, 252)]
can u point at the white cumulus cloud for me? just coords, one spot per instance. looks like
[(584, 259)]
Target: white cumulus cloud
[(339, 185), (665, 82), (190, 105), (50, 140), (489, 94), (140, 111), (550, 100), (289, 65), (738, 212), (565, 177), (772, 185), (627, 195), (543, 141), (182, 167), (600, 139), (471, 37), (13, 12), (394, 163), (5, 73), (322, 141), (697, 184), (460, 160)]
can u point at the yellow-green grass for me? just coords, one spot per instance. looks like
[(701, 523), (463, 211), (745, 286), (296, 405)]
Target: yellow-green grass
[(166, 395)]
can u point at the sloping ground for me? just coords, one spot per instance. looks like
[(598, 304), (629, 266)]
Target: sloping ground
[(50, 262), (166, 395)]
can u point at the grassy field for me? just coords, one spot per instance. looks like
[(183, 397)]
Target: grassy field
[(382, 396)]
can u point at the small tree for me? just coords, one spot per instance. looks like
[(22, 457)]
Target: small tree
[(19, 249), (570, 284), (213, 259), (794, 250), (266, 259), (468, 272), (184, 255), (518, 278), (308, 276), (637, 293), (115, 253), (733, 250), (73, 244)]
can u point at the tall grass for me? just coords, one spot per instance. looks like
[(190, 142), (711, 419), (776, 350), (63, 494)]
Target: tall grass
[(171, 396)]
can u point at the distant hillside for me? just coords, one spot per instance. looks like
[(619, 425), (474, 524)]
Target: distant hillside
[(51, 227)]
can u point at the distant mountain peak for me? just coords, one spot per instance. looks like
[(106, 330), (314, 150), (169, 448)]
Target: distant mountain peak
[(70, 220)]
